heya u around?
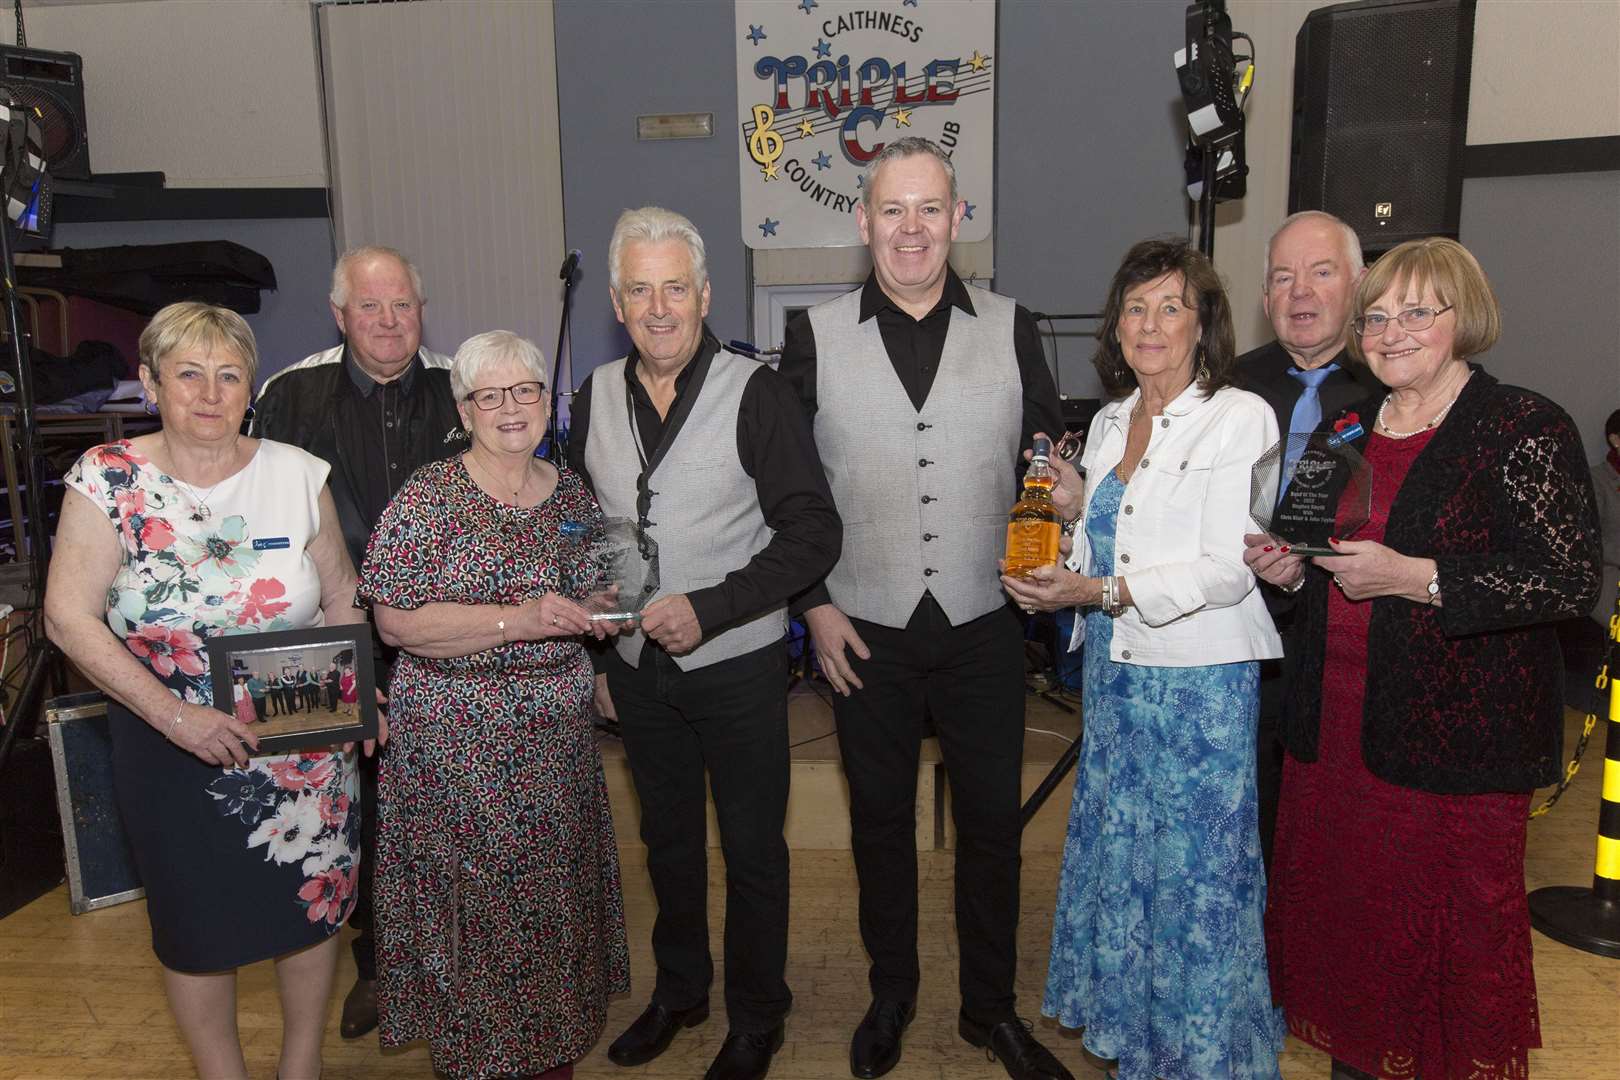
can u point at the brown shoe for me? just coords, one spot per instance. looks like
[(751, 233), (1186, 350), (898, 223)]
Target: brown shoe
[(359, 1009)]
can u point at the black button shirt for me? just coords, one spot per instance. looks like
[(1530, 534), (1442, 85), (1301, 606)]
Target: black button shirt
[(383, 460)]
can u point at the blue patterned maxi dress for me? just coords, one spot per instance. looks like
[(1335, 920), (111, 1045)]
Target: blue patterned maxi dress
[(1157, 948)]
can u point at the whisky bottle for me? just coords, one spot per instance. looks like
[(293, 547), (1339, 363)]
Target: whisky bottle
[(1033, 525)]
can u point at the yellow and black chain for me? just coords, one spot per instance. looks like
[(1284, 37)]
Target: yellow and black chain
[(1589, 723)]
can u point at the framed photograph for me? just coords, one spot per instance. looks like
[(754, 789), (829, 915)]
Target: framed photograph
[(298, 689)]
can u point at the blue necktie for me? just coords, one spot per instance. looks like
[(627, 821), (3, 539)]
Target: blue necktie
[(1307, 414)]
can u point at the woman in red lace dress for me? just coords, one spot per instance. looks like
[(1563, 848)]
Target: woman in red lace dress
[(1424, 699)]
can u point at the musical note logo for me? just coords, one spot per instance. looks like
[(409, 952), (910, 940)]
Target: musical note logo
[(765, 144)]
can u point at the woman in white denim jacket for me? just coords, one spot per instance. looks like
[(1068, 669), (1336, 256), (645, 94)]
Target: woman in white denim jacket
[(1157, 947)]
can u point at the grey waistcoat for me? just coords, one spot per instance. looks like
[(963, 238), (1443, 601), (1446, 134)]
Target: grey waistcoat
[(924, 495), (705, 514)]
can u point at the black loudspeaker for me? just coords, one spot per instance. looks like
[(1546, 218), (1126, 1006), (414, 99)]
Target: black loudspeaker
[(1381, 116), (53, 83)]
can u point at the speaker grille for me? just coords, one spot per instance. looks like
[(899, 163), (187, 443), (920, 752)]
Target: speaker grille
[(57, 124), (1381, 100)]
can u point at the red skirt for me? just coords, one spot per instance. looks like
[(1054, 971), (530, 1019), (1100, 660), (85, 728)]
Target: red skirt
[(1397, 929)]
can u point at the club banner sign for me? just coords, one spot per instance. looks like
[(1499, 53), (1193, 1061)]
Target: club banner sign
[(824, 85)]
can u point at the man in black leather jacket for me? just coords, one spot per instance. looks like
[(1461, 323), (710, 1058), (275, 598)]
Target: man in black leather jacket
[(375, 408)]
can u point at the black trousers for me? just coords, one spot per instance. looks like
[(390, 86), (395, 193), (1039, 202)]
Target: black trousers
[(730, 719), (970, 680), (258, 708)]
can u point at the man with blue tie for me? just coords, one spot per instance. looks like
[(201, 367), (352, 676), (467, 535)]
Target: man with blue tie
[(1313, 262)]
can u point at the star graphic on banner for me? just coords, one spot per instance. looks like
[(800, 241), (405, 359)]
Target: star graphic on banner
[(860, 180), (770, 171), (821, 161), (968, 211), (823, 48), (806, 128), (768, 227), (978, 60), (806, 5), (756, 34), (902, 117)]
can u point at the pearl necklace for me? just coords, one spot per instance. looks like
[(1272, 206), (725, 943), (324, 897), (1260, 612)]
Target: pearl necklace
[(1434, 423)]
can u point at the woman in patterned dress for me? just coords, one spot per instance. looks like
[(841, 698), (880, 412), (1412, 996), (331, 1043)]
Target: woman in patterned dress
[(1425, 699), (243, 857), (1157, 944), (500, 923)]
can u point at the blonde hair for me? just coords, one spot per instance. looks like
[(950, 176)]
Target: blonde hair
[(1448, 270), (192, 324)]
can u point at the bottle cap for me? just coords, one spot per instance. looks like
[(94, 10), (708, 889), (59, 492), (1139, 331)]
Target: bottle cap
[(1042, 446)]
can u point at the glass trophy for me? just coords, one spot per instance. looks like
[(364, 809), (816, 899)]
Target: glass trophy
[(1310, 486), (620, 573)]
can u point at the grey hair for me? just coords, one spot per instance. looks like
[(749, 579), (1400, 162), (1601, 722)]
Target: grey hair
[(340, 271), (903, 148), (1352, 242), (489, 349), (653, 225)]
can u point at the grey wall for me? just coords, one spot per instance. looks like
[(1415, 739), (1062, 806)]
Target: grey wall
[(617, 61), (1549, 245), (1088, 149), (1088, 156), (293, 321)]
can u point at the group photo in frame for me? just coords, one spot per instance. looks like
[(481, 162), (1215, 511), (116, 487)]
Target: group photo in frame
[(298, 689)]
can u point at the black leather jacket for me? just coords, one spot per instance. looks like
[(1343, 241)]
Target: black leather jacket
[(302, 405)]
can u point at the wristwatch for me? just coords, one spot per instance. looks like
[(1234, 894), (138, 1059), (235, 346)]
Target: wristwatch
[(1434, 586)]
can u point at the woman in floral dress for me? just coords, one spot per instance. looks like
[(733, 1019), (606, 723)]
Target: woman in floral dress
[(500, 924), (164, 541)]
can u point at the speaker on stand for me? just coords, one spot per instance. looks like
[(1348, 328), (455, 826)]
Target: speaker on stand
[(1381, 116), (53, 83)]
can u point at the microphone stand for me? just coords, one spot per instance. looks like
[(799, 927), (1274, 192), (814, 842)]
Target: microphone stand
[(570, 271)]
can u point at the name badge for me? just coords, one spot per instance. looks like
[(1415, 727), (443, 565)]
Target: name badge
[(271, 543)]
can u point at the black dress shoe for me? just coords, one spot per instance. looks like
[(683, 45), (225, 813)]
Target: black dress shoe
[(745, 1055), (653, 1031), (359, 1009), (875, 1049), (1011, 1043)]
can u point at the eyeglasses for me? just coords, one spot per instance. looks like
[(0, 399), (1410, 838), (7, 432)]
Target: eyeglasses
[(1070, 445), (491, 397), (1412, 319)]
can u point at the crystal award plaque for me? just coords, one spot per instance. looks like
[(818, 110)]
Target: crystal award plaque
[(620, 568), (1325, 489)]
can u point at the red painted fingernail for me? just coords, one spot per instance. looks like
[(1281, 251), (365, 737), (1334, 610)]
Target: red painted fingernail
[(1285, 549), (1333, 539), (1266, 548)]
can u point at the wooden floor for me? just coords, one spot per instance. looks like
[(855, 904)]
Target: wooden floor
[(81, 996)]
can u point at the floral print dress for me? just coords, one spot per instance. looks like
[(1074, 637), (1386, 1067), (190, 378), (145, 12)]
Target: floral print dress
[(500, 923), (1158, 950), (239, 864)]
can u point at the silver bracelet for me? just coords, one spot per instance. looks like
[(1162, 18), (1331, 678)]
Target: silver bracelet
[(175, 723), (1295, 587)]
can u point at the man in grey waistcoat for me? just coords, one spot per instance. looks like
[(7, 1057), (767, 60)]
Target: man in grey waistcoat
[(712, 454), (922, 391)]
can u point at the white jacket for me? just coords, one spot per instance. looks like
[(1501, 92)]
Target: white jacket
[(1179, 537)]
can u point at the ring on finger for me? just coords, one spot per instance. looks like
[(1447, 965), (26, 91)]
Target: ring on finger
[(1337, 580)]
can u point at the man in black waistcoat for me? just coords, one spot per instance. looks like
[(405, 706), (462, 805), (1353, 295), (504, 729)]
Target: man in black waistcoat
[(1313, 262), (374, 408)]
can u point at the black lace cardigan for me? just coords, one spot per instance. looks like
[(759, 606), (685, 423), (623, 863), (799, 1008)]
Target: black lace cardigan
[(1467, 697)]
